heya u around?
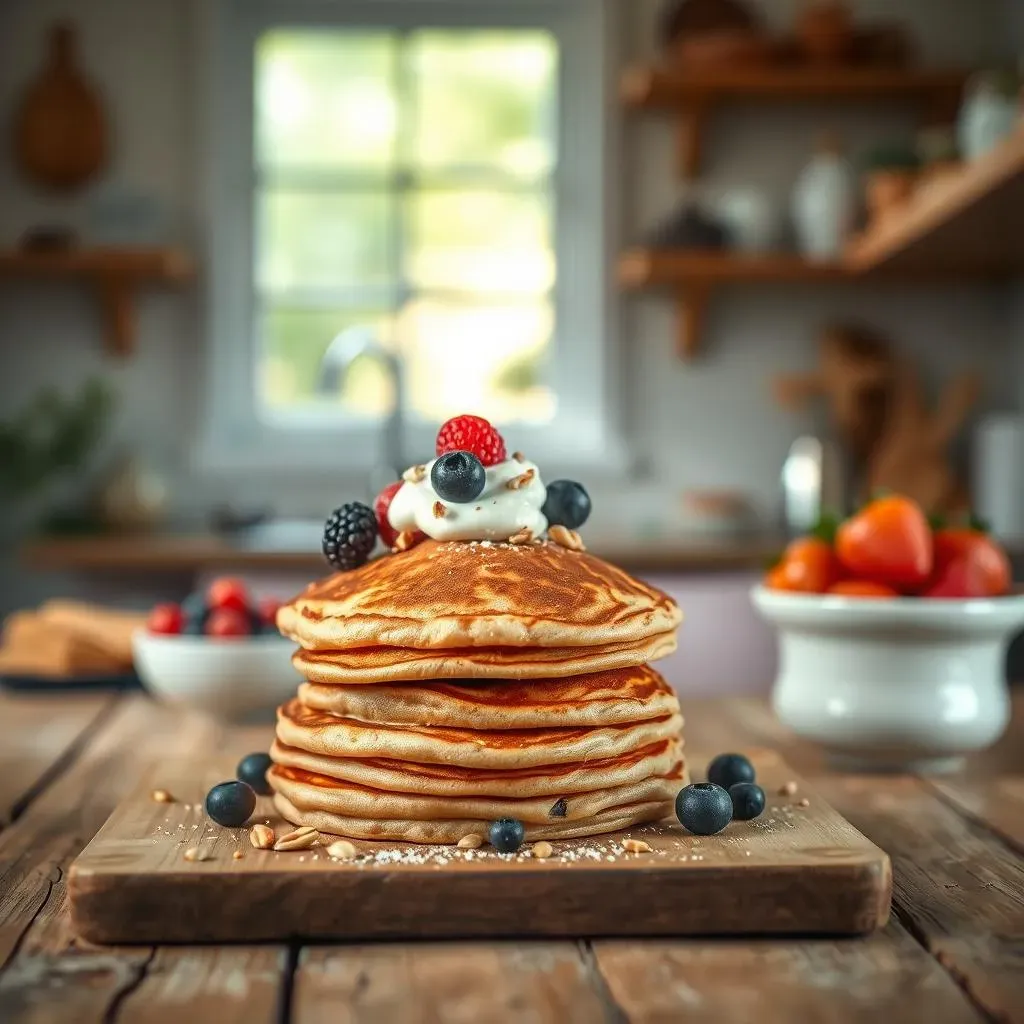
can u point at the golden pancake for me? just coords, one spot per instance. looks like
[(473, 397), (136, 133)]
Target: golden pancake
[(368, 665), (456, 595), (555, 781), (601, 698), (307, 791), (321, 733), (451, 831)]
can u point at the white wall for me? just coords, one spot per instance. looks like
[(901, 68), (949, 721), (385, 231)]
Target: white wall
[(711, 422)]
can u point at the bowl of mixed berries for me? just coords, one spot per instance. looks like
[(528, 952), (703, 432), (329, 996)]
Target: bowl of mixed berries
[(892, 632), (218, 651)]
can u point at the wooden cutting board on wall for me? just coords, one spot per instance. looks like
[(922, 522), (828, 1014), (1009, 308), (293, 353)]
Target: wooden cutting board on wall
[(797, 869)]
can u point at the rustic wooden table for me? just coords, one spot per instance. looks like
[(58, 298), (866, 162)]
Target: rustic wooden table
[(953, 951)]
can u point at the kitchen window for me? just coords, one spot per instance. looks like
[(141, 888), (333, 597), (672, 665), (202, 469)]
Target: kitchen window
[(422, 180)]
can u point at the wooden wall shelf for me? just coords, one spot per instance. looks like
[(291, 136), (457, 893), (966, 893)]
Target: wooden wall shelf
[(693, 97), (972, 219), (116, 274), (693, 277)]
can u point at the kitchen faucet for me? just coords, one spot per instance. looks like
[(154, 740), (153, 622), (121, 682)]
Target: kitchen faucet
[(345, 348)]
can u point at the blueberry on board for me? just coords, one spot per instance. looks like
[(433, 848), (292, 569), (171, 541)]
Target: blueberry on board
[(506, 834), (567, 504), (252, 769), (728, 769), (703, 808), (458, 477), (747, 800), (231, 803)]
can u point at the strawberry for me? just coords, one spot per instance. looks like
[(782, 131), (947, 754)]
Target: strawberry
[(990, 574), (861, 588), (380, 507), (888, 541), (227, 592), (166, 620), (472, 434), (228, 622), (958, 579)]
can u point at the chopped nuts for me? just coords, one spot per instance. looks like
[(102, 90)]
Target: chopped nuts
[(636, 846), (262, 837), (470, 842), (439, 510), (520, 481), (196, 853), (161, 796), (414, 474), (543, 850), (405, 540), (298, 839), (566, 538), (523, 536), (342, 849), (519, 456), (237, 855), (788, 789), (803, 802)]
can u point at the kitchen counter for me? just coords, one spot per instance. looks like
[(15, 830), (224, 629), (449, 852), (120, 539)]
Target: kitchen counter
[(198, 552), (950, 953)]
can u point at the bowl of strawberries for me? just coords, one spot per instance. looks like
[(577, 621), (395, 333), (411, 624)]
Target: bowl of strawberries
[(218, 651), (893, 631)]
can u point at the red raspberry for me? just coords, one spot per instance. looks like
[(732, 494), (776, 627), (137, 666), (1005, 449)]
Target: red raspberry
[(472, 434), (380, 507)]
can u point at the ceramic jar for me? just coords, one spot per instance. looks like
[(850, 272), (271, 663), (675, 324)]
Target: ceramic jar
[(824, 203)]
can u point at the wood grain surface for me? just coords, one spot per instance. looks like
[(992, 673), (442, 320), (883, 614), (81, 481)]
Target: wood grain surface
[(795, 869), (946, 956)]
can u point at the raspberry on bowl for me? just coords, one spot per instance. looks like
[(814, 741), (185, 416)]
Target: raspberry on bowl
[(472, 434)]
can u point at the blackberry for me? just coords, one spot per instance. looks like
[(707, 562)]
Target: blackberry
[(349, 535)]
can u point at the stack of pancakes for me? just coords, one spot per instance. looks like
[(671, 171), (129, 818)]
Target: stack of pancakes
[(458, 683)]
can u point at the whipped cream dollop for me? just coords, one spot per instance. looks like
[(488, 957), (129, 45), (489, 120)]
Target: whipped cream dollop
[(510, 503)]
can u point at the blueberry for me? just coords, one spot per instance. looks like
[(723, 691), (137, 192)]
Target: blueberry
[(747, 800), (194, 611), (567, 504), (230, 803), (728, 769), (458, 477), (252, 769), (703, 808), (506, 835)]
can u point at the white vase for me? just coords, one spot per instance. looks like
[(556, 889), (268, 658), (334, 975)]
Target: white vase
[(823, 205), (987, 116)]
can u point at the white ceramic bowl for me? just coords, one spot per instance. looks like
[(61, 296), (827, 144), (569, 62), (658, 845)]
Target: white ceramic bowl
[(237, 678), (904, 684)]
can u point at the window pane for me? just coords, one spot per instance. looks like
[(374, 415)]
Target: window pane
[(325, 99), (319, 241), (292, 375), (475, 358), (484, 99), (480, 241)]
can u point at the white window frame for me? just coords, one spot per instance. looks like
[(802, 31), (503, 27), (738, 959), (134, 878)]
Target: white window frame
[(587, 427)]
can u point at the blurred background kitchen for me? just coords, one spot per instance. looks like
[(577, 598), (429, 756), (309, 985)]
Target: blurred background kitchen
[(727, 262)]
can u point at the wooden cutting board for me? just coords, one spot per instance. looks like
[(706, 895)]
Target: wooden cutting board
[(797, 869)]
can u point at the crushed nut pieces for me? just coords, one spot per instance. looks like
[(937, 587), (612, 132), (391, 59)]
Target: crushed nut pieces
[(543, 850), (523, 536), (161, 796), (262, 837), (803, 802), (788, 788), (566, 538), (439, 510), (342, 849), (414, 474), (237, 855), (519, 456), (520, 481), (302, 838), (405, 540), (636, 846), (196, 853), (470, 842)]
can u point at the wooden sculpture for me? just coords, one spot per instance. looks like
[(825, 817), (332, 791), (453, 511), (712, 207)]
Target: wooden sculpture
[(911, 455), (854, 375)]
